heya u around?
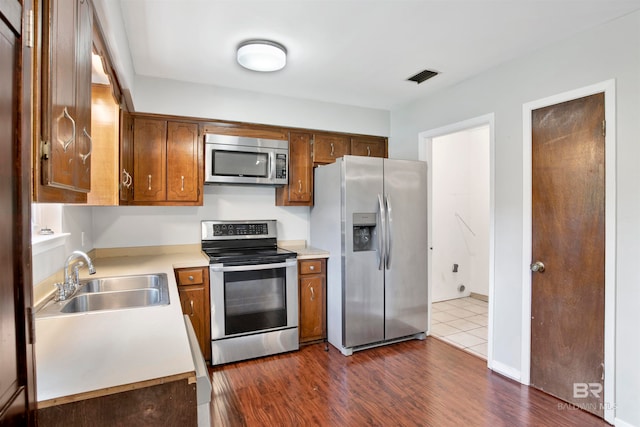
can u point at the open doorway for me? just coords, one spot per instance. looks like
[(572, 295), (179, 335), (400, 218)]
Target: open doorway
[(460, 222)]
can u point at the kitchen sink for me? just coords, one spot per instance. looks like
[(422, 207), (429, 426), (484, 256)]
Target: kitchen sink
[(112, 293), (122, 283), (115, 300)]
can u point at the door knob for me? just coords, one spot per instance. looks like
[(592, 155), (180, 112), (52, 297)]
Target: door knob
[(537, 266)]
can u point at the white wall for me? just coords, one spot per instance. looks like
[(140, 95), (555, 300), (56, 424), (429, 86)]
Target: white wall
[(460, 200), (153, 95), (127, 226), (609, 51)]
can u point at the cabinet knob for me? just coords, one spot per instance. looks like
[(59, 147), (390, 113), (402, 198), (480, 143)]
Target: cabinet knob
[(191, 278), (312, 267)]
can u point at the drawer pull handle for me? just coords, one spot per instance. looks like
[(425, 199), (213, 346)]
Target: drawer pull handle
[(368, 151), (149, 181), (191, 303), (313, 294), (332, 150), (182, 179), (299, 186)]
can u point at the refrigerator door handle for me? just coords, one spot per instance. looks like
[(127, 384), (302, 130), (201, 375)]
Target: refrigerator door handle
[(389, 234), (381, 233)]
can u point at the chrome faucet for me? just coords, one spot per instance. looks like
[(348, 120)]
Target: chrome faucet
[(72, 281)]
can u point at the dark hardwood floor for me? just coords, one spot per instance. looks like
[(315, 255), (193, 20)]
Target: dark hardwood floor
[(413, 383)]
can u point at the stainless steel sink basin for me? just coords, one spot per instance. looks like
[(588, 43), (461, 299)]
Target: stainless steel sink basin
[(115, 300), (122, 283), (112, 293)]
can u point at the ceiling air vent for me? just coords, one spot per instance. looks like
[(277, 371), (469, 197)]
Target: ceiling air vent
[(422, 76)]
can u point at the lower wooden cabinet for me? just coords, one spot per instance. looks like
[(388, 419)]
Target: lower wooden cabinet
[(312, 291), (193, 287)]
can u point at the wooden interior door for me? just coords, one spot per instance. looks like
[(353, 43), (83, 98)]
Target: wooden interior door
[(568, 237), (17, 391)]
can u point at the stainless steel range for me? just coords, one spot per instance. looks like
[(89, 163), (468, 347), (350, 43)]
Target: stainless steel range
[(254, 291)]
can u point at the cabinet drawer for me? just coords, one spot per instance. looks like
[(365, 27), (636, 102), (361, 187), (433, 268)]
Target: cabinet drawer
[(313, 266), (190, 276)]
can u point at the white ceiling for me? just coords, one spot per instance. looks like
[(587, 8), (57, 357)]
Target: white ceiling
[(354, 52)]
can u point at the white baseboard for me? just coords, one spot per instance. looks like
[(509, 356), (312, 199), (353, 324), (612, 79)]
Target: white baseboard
[(505, 370)]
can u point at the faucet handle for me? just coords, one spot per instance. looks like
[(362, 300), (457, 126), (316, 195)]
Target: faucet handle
[(61, 292)]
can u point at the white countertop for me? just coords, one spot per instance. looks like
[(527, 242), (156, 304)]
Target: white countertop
[(303, 251), (95, 351)]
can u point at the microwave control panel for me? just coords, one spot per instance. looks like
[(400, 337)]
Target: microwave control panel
[(281, 166)]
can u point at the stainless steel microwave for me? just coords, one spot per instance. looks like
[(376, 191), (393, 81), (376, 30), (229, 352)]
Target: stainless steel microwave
[(242, 160)]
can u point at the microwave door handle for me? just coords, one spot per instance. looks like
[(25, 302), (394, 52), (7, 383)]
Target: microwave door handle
[(272, 161)]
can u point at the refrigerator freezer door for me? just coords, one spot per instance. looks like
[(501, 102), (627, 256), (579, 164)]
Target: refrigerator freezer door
[(363, 282), (405, 187)]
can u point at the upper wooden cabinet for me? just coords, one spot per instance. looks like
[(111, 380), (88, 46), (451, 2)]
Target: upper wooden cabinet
[(299, 192), (329, 147), (370, 146), (63, 160), (167, 166), (149, 160)]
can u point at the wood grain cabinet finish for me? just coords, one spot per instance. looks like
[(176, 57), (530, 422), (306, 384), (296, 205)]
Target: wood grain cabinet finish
[(64, 147), (329, 147), (312, 284), (193, 287), (167, 163), (149, 160), (299, 191), (370, 146), (182, 162)]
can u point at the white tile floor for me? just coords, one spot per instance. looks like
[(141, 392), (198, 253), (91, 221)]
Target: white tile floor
[(461, 322)]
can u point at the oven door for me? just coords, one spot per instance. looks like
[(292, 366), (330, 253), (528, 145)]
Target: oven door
[(247, 299)]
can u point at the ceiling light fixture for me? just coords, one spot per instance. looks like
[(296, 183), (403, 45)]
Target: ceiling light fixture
[(262, 55)]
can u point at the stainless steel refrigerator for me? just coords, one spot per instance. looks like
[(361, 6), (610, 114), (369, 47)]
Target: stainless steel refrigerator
[(371, 214)]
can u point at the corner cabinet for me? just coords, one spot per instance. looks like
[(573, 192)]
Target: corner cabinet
[(193, 288), (167, 163), (312, 291), (299, 191), (63, 161)]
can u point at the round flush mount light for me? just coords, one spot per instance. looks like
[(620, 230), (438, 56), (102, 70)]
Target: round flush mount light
[(262, 55)]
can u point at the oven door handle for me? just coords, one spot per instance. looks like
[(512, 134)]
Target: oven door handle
[(222, 268)]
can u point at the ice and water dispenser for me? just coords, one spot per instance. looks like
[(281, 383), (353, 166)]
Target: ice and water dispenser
[(364, 232)]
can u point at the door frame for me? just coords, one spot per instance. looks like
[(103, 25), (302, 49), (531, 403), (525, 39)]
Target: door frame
[(425, 151), (608, 87)]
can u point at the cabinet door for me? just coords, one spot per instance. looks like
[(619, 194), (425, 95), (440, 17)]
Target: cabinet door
[(369, 146), (183, 151), (84, 144), (59, 117), (312, 307), (126, 158), (149, 160), (299, 191), (327, 148), (193, 300)]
